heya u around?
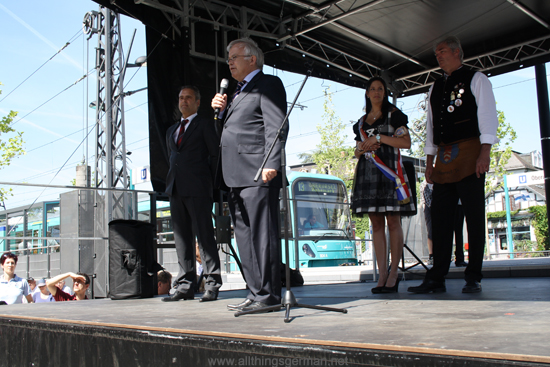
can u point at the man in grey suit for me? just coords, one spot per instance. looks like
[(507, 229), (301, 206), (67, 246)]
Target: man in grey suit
[(251, 118), (193, 149)]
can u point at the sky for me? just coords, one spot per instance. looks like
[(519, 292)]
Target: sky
[(45, 86)]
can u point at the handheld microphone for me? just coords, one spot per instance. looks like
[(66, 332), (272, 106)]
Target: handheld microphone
[(223, 86)]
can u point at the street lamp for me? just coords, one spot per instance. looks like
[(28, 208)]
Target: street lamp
[(140, 61)]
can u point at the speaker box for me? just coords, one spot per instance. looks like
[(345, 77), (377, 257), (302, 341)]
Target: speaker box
[(132, 265)]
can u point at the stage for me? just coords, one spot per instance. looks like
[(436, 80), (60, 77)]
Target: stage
[(507, 324)]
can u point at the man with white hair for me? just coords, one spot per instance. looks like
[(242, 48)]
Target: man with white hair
[(461, 127), (252, 117)]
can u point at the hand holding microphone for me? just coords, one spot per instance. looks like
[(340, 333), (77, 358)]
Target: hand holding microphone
[(220, 100)]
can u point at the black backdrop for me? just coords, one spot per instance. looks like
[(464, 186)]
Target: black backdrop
[(170, 67)]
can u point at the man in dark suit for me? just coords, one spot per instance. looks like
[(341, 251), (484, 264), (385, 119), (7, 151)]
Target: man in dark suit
[(256, 111), (193, 149)]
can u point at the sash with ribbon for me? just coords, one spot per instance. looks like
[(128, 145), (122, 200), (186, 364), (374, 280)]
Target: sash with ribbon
[(401, 188)]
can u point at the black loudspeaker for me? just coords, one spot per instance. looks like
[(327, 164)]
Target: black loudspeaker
[(132, 265), (411, 175)]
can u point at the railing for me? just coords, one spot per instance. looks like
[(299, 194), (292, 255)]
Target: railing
[(518, 254), (28, 256), (162, 243)]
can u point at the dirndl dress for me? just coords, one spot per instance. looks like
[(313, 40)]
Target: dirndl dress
[(372, 191)]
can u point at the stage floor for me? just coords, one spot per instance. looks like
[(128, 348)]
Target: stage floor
[(508, 320)]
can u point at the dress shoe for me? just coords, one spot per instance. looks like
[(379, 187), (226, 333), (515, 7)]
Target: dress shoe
[(256, 305), (472, 287), (239, 306), (179, 295), (461, 264), (429, 286), (209, 296), (393, 289), (377, 290)]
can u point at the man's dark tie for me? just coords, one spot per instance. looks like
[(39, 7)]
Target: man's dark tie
[(238, 90), (182, 130), (236, 93)]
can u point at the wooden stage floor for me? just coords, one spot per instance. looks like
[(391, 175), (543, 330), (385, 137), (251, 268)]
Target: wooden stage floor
[(508, 323)]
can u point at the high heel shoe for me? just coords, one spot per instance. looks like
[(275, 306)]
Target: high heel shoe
[(377, 290), (393, 289)]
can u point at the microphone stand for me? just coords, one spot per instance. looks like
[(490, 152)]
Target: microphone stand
[(288, 300)]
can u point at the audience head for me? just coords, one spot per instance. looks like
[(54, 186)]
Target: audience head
[(9, 261), (78, 286), (164, 282), (8, 255), (42, 286), (32, 282)]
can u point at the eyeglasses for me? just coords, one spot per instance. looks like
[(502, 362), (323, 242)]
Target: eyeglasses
[(232, 59)]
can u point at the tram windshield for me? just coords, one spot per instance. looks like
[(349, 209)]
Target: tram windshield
[(321, 208)]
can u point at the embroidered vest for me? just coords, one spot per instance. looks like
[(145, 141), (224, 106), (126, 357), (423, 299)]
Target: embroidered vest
[(454, 108)]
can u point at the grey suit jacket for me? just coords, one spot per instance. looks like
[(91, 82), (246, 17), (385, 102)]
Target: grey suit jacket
[(250, 127)]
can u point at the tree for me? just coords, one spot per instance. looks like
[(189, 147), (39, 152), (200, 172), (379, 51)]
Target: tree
[(331, 155), (540, 223), (11, 145), (418, 137), (501, 152)]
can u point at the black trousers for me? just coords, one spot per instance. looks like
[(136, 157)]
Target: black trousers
[(459, 237), (192, 217), (470, 191), (254, 211)]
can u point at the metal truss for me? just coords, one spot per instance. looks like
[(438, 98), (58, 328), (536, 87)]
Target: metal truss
[(110, 157), (295, 33), (514, 54)]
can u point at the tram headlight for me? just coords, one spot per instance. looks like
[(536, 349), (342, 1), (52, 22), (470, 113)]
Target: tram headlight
[(309, 252)]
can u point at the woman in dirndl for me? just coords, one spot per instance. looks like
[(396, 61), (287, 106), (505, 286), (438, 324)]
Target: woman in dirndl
[(381, 187)]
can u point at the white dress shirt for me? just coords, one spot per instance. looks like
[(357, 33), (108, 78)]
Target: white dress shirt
[(189, 119), (486, 113)]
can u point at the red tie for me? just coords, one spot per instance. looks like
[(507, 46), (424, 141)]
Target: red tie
[(182, 130)]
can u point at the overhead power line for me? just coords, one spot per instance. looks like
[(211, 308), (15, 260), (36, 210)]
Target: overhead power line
[(70, 86), (76, 36)]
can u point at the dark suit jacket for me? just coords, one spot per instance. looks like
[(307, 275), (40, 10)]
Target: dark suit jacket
[(193, 164), (250, 126)]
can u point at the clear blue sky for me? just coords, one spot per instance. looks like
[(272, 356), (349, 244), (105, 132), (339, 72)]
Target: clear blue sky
[(53, 109)]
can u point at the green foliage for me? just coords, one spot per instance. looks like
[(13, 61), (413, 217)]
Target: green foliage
[(362, 225), (418, 137), (331, 155), (500, 152), (306, 157), (540, 222), (11, 145), (524, 246), (501, 214)]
